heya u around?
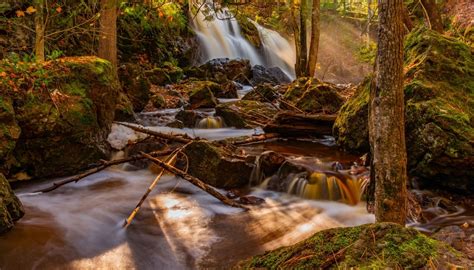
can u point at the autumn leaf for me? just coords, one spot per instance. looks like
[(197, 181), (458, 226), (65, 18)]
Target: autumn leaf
[(160, 14), (20, 13), (3, 74), (30, 10), (59, 9)]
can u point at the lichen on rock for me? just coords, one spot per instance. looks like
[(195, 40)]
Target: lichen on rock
[(11, 209)]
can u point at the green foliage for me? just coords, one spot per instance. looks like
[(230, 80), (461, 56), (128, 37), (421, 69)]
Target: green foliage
[(367, 54), (55, 54)]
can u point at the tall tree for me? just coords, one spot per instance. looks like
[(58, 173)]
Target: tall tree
[(108, 31), (387, 117), (315, 33), (303, 59), (39, 30)]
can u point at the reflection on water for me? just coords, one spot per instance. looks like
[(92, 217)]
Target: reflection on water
[(179, 227)]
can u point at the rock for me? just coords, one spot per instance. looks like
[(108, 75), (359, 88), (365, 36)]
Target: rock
[(124, 108), (135, 84), (439, 112), (217, 166), (165, 98), (381, 245), (11, 209), (313, 96), (9, 132), (227, 90), (176, 124), (459, 238), (61, 138), (290, 124), (202, 98), (166, 74), (190, 118), (262, 93), (251, 200), (248, 30), (222, 70), (239, 113), (273, 76)]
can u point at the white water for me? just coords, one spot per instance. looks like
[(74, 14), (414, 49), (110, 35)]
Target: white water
[(222, 38)]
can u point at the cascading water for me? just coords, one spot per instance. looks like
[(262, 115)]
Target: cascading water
[(211, 122), (220, 37)]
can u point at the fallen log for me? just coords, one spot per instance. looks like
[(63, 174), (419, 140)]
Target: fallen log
[(99, 167), (176, 138), (195, 181), (256, 139), (289, 124)]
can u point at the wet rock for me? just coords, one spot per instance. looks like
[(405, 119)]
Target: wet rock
[(242, 113), (61, 138), (313, 96), (189, 118), (251, 200), (176, 124), (11, 209), (222, 70), (227, 90), (202, 98), (147, 145), (439, 112), (273, 76), (216, 165), (270, 162), (135, 85), (381, 245), (462, 239), (262, 93), (166, 97)]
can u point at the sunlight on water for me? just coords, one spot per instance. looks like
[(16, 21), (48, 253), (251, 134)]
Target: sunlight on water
[(211, 122)]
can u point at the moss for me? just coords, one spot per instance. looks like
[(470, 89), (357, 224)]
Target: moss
[(11, 208), (239, 114), (373, 246), (249, 30)]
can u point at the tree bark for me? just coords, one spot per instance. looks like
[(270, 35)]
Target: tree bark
[(386, 118), (433, 15), (39, 31), (296, 31), (108, 32), (303, 40), (315, 33)]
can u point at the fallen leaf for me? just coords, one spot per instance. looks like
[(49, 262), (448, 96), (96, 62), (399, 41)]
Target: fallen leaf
[(30, 10), (59, 9), (20, 13)]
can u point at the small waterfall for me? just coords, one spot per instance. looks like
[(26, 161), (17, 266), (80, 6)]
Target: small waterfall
[(277, 51), (221, 37), (210, 122)]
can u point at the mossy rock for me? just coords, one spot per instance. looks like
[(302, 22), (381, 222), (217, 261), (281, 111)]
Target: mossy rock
[(202, 96), (222, 70), (11, 209), (64, 127), (439, 98), (249, 30), (135, 84), (238, 114), (372, 246), (166, 74), (217, 165), (313, 96), (262, 93), (9, 131)]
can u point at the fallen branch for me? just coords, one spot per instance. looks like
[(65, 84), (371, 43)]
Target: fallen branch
[(102, 165), (195, 181), (175, 138), (255, 139), (170, 160)]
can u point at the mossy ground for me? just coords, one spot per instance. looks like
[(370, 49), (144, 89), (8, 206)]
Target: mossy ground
[(373, 246)]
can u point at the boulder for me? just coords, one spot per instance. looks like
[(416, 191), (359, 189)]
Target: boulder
[(222, 70), (226, 90), (313, 96), (262, 93), (9, 132), (371, 246), (216, 165), (189, 118), (65, 120), (202, 97), (166, 74), (135, 85), (11, 209), (165, 97), (273, 75), (240, 114), (439, 112)]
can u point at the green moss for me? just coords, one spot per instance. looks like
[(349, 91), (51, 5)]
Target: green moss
[(373, 246)]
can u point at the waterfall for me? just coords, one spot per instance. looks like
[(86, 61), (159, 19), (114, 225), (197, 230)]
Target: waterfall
[(220, 37)]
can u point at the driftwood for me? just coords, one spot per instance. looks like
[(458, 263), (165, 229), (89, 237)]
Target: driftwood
[(176, 138), (170, 160), (101, 166), (195, 181), (294, 125)]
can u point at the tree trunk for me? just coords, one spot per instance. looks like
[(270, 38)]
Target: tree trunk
[(315, 32), (386, 123), (39, 31), (303, 40), (297, 36), (108, 31), (433, 15)]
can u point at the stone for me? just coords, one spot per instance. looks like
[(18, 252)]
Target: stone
[(273, 76), (238, 114), (11, 209)]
